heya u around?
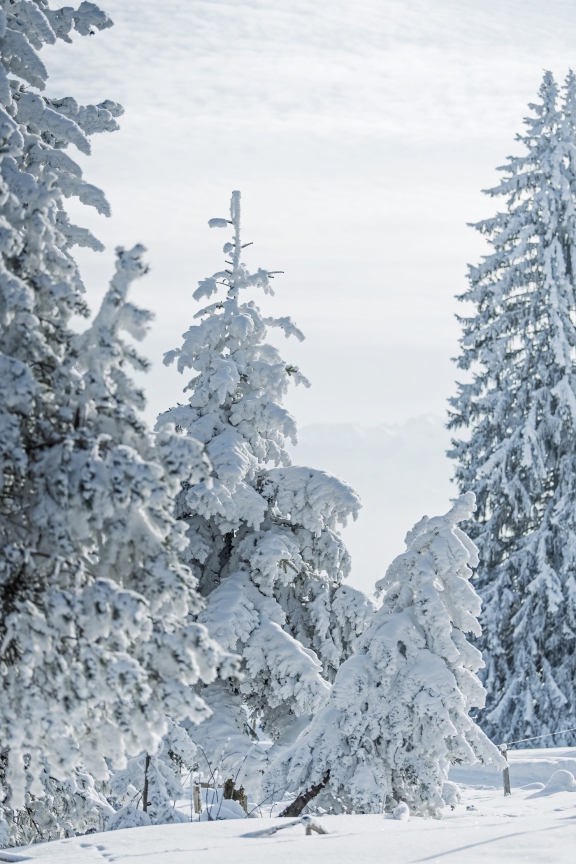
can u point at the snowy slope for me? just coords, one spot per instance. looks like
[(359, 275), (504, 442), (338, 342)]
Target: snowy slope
[(535, 824), (401, 473)]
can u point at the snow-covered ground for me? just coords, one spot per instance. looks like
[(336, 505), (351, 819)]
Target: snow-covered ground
[(536, 824)]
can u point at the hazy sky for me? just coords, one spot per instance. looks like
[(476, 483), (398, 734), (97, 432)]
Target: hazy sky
[(360, 133)]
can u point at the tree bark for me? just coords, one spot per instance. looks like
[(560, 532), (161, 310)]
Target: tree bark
[(297, 806)]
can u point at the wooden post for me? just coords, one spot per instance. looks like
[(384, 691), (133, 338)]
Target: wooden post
[(506, 771), (145, 792), (233, 794), (197, 799)]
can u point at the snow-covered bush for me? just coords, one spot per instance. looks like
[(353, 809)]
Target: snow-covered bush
[(397, 716), (97, 640), (263, 537), (519, 453)]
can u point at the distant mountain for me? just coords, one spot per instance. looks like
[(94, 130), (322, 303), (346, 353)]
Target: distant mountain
[(401, 473)]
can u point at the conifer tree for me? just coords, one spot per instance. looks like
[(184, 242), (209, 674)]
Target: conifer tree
[(97, 638), (397, 716), (263, 538), (519, 455)]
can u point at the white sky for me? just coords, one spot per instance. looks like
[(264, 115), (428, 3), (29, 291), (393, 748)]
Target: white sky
[(360, 133)]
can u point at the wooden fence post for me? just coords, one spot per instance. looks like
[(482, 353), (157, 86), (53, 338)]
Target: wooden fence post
[(506, 771)]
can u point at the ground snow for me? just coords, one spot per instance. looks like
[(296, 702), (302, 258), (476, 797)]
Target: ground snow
[(484, 827)]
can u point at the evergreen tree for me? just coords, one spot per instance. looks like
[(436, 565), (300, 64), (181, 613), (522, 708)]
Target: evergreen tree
[(520, 409), (397, 716), (263, 538), (97, 638)]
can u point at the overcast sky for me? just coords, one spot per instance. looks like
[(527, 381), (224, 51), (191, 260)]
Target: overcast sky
[(360, 133)]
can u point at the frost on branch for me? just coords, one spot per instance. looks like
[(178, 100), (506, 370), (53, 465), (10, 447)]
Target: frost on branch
[(519, 408), (264, 536), (397, 716)]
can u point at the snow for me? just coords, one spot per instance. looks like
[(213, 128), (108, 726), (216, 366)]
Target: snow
[(484, 827), (86, 504)]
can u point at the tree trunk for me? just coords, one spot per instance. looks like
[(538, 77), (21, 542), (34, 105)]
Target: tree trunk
[(297, 806), (145, 792)]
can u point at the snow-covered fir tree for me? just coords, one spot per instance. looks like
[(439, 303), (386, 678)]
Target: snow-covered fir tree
[(397, 716), (97, 639), (263, 539), (519, 410)]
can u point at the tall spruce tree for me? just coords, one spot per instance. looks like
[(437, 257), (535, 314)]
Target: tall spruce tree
[(264, 538), (520, 409), (97, 637)]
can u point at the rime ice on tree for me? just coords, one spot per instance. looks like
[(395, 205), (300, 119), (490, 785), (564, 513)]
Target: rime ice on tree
[(97, 642), (263, 538), (520, 458), (397, 716)]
